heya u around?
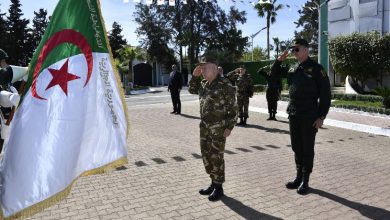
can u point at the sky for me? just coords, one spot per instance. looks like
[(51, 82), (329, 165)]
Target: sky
[(122, 11)]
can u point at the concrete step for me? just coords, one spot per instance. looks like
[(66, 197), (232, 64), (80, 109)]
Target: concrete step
[(338, 89)]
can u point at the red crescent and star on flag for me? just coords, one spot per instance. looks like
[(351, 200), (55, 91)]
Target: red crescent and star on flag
[(62, 76)]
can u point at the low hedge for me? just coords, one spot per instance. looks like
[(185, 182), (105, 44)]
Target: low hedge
[(357, 97), (364, 108), (353, 97)]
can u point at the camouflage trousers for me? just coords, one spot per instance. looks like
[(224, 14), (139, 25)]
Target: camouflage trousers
[(243, 104), (212, 147)]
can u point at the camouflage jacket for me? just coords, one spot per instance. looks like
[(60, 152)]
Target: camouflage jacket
[(244, 85), (309, 89), (217, 101)]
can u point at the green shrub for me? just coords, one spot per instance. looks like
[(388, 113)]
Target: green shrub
[(360, 55), (357, 97), (385, 93)]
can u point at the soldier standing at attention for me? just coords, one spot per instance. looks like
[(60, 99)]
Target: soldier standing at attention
[(244, 86), (218, 112), (310, 96), (274, 88)]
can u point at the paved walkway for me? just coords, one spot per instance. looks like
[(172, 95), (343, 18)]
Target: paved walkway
[(349, 119), (351, 177)]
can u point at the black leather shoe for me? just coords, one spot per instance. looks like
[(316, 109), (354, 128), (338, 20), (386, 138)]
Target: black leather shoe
[(294, 184), (177, 113), (269, 119), (217, 193), (207, 191), (173, 112)]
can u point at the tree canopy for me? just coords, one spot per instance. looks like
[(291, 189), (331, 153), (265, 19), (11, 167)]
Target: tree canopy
[(199, 26), (116, 39), (308, 20), (268, 9)]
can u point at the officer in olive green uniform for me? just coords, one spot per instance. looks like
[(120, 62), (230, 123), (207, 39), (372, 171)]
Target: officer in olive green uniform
[(244, 87), (218, 112), (310, 96), (274, 88)]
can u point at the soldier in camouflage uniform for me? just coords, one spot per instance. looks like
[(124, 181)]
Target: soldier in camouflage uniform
[(218, 112), (244, 86), (309, 91)]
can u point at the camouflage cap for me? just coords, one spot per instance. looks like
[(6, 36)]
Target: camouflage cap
[(3, 54), (208, 57), (299, 41)]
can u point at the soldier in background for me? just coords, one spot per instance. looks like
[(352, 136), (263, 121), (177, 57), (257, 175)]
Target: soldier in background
[(7, 99), (274, 89), (310, 96), (218, 112), (244, 86), (174, 86)]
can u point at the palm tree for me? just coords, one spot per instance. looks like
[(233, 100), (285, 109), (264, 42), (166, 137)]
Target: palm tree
[(277, 45), (123, 62), (268, 9)]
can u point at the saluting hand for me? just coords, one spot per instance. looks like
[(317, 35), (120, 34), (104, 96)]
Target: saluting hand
[(197, 71), (283, 56)]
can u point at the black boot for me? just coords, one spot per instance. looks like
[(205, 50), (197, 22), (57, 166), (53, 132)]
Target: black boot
[(208, 190), (217, 193), (244, 121), (270, 117), (273, 116), (296, 182), (304, 187)]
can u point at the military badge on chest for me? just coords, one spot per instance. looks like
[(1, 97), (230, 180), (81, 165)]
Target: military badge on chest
[(308, 72), (293, 68)]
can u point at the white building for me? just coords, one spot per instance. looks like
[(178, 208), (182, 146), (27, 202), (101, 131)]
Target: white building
[(348, 16)]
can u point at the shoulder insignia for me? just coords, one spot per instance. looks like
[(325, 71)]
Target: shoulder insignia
[(323, 73)]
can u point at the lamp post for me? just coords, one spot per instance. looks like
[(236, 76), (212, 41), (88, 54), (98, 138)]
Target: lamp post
[(253, 36), (323, 55)]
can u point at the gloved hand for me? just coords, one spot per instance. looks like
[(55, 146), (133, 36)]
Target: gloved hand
[(9, 99)]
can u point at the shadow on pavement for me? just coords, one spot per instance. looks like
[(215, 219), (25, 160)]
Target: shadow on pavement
[(282, 121), (245, 211), (368, 211), (189, 116), (271, 130)]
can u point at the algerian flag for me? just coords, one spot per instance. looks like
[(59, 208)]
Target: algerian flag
[(72, 119)]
